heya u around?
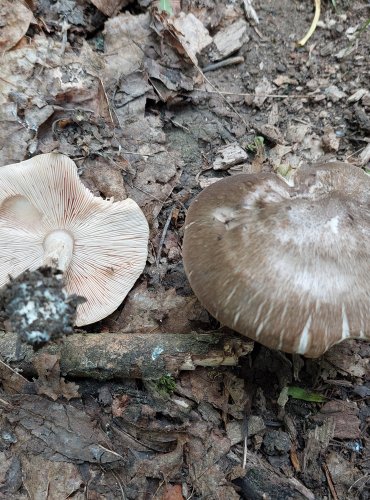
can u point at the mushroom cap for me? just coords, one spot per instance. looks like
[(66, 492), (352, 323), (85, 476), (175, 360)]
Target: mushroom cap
[(288, 266), (44, 194)]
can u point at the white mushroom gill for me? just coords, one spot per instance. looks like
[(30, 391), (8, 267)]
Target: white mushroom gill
[(48, 217), (18, 209)]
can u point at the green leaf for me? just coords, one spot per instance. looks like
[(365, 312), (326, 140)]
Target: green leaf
[(299, 393), (166, 6)]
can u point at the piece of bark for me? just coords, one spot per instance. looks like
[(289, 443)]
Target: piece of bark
[(105, 356), (228, 156), (229, 39), (12, 381), (261, 480), (345, 417)]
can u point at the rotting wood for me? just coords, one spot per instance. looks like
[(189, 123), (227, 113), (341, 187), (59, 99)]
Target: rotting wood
[(136, 355)]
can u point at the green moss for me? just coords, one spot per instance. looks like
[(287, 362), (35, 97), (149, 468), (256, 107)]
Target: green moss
[(166, 384)]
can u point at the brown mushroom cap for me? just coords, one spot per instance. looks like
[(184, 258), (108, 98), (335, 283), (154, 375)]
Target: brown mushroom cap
[(47, 215), (286, 266)]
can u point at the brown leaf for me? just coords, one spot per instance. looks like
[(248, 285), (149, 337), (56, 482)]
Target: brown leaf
[(49, 382), (200, 385), (59, 431), (46, 479), (101, 176), (125, 37), (119, 405), (172, 492), (294, 458), (163, 465), (163, 310), (15, 19), (345, 416), (185, 33), (347, 358), (110, 7)]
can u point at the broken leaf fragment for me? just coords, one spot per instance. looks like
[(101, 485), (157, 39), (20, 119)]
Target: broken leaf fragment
[(305, 395), (15, 19)]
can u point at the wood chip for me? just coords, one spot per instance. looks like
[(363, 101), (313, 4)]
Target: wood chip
[(230, 39), (228, 156)]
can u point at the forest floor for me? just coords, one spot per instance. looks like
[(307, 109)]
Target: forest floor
[(157, 108)]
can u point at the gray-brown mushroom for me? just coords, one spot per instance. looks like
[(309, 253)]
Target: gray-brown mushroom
[(288, 266)]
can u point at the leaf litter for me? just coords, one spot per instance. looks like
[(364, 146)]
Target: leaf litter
[(120, 89)]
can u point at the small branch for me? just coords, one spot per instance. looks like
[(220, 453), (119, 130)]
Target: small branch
[(241, 94), (226, 62), (163, 237), (135, 355), (330, 482)]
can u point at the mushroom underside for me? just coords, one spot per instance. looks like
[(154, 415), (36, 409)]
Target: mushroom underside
[(48, 217)]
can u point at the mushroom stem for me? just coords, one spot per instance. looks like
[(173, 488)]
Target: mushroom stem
[(58, 249)]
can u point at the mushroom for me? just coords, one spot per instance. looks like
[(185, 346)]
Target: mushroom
[(49, 218), (288, 266)]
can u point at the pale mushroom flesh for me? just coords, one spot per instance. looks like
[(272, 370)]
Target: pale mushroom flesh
[(285, 265), (48, 217)]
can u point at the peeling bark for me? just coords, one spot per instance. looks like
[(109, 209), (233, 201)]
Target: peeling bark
[(136, 355)]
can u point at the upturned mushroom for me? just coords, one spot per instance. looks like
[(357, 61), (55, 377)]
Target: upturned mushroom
[(285, 265), (49, 218)]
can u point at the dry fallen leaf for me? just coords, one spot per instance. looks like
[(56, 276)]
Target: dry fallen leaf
[(172, 492), (46, 479), (125, 38), (110, 7), (345, 416), (192, 35), (230, 39), (50, 382), (163, 310), (58, 431), (15, 19), (185, 33)]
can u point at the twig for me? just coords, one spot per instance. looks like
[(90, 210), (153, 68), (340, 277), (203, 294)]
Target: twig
[(163, 237), (355, 153), (121, 354), (221, 95), (240, 94), (362, 478), (330, 482), (250, 13), (226, 62), (119, 485)]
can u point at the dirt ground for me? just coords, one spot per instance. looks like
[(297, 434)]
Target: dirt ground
[(158, 401)]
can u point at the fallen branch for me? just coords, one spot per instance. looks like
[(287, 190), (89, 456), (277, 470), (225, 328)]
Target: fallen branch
[(136, 355)]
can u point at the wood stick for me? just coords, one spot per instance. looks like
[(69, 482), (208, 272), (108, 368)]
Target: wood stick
[(137, 355)]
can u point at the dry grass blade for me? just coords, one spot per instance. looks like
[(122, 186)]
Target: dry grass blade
[(310, 32)]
